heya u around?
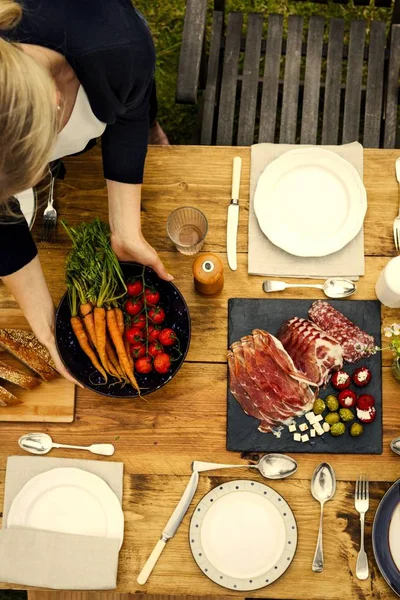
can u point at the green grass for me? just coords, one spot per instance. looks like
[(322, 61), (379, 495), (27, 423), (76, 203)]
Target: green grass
[(165, 18)]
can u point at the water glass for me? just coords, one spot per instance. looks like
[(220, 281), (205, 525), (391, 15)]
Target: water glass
[(187, 228)]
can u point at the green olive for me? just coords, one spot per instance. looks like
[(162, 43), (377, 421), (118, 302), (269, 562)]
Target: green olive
[(338, 429), (346, 414), (356, 429), (332, 418), (319, 406), (332, 402)]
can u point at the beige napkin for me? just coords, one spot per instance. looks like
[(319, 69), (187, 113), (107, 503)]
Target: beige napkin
[(57, 560), (267, 259)]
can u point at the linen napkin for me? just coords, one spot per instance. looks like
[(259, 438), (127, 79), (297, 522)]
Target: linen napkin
[(267, 259), (57, 560)]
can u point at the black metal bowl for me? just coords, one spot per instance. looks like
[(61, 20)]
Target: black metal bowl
[(79, 365)]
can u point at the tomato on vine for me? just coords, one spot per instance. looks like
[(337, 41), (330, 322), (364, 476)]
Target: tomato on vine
[(157, 314), (167, 337), (134, 334), (139, 321), (155, 349), (134, 288), (134, 307), (138, 350), (152, 296), (144, 365), (162, 363), (153, 333)]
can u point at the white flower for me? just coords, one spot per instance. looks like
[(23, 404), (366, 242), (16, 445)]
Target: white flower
[(396, 328), (388, 332)]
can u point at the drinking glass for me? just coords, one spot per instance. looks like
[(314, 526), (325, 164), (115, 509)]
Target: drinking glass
[(187, 228)]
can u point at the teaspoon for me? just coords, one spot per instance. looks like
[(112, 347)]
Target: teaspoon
[(323, 487), (335, 287), (41, 443)]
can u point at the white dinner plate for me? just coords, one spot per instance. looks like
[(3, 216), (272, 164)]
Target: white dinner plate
[(28, 204), (68, 500), (310, 202), (243, 535)]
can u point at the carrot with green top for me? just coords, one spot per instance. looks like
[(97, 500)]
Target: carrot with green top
[(118, 342)]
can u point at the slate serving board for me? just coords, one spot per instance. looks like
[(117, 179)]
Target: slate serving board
[(242, 434)]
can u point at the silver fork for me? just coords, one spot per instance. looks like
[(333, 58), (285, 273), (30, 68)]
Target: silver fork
[(50, 214), (396, 222), (362, 505)]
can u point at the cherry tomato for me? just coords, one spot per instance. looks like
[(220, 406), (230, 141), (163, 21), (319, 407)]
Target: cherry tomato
[(156, 314), (155, 349), (167, 337), (144, 365), (138, 350), (134, 307), (139, 321), (153, 333), (162, 363), (134, 288), (152, 296), (134, 334)]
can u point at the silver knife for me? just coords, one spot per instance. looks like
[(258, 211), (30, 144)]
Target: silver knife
[(170, 528), (233, 214)]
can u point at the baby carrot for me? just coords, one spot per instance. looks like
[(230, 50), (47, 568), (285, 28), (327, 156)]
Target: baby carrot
[(128, 353), (113, 360), (86, 311), (83, 340), (119, 315), (118, 341), (100, 327)]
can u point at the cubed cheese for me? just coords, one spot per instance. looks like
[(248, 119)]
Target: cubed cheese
[(318, 418), (313, 433), (326, 427), (304, 438), (303, 427), (318, 429), (297, 437), (313, 419), (309, 416), (292, 428)]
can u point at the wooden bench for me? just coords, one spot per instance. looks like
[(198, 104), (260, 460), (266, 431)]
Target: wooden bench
[(308, 81)]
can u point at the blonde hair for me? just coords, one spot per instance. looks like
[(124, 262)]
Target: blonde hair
[(28, 112)]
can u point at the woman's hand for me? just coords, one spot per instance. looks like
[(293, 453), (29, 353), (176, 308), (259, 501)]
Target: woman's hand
[(127, 239), (139, 250), (29, 288)]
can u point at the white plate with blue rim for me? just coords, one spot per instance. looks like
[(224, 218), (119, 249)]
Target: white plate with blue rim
[(28, 203), (243, 535), (310, 202)]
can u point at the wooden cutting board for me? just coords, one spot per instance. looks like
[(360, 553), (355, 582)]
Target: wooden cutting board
[(49, 402)]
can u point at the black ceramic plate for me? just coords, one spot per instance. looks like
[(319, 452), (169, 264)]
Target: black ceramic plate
[(380, 537), (78, 364)]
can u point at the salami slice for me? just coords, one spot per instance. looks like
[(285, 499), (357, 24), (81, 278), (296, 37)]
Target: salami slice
[(355, 342)]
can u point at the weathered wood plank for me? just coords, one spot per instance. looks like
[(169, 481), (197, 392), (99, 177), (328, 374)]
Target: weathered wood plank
[(269, 99), (373, 102), (226, 112), (191, 51), (352, 101), (291, 80), (249, 92), (392, 89), (330, 122), (312, 81), (213, 76)]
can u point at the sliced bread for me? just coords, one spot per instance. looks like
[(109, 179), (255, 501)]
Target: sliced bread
[(19, 343), (7, 398), (18, 377)]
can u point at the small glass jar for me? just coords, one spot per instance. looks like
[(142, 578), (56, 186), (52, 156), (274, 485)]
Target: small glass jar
[(396, 368)]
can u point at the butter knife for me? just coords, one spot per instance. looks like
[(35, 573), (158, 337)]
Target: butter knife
[(233, 215), (170, 528)]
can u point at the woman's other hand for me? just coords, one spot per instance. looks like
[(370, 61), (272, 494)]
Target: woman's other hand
[(139, 250)]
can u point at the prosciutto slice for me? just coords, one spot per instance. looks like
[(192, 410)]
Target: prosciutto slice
[(355, 342), (265, 381), (313, 351)]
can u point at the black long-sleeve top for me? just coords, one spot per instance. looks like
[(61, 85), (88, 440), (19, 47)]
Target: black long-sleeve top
[(110, 48)]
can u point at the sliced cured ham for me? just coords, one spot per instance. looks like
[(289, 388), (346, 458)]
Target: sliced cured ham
[(265, 381), (355, 342), (313, 351)]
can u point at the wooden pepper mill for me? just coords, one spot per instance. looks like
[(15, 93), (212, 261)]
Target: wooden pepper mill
[(208, 273)]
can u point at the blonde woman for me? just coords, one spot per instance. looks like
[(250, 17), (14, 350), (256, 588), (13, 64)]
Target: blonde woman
[(71, 71)]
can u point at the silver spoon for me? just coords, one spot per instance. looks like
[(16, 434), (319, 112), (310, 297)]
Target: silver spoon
[(395, 445), (335, 287), (41, 443), (271, 466), (323, 487)]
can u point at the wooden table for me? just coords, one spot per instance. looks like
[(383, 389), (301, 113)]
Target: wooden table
[(158, 438)]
